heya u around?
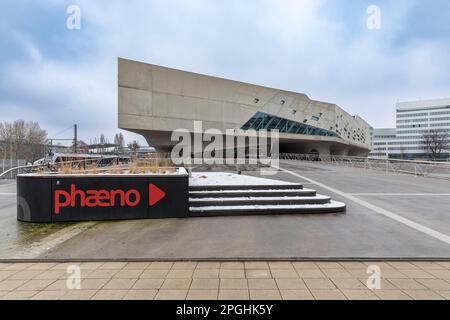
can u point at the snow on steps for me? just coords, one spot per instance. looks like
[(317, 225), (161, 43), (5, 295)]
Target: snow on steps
[(219, 193)]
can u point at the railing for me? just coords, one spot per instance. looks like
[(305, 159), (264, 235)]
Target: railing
[(419, 168)]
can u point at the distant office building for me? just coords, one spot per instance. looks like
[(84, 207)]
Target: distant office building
[(413, 120), (382, 141)]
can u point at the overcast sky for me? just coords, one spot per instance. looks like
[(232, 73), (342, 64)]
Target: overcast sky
[(322, 48)]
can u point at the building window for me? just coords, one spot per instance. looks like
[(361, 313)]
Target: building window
[(264, 121)]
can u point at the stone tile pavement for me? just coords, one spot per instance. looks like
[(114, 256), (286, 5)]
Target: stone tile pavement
[(224, 280)]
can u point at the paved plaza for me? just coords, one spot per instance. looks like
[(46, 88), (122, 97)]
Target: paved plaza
[(389, 216), (226, 280)]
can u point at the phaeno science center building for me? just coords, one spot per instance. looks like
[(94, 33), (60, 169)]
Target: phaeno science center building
[(154, 101)]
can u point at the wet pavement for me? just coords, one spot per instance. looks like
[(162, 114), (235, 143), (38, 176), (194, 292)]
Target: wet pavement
[(359, 233), (16, 236)]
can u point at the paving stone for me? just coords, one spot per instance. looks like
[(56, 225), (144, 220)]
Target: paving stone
[(403, 265), (423, 295), (79, 295), (417, 274), (234, 294), (18, 266), (256, 265), (310, 273), (184, 265), (8, 285), (265, 295), (171, 295), (425, 265), (176, 284), (52, 274), (25, 275), (231, 273), (150, 283), (49, 295), (440, 274), (444, 294), (206, 273), (60, 285), (435, 284), (180, 273), (349, 284), (100, 274), (6, 274), (407, 284), (328, 294), (290, 284), (233, 284), (202, 294), (20, 295), (154, 273), (319, 284), (90, 265), (329, 265), (110, 295), (112, 266), (303, 294), (360, 294), (128, 274), (445, 264), (203, 284), (33, 285), (136, 266), (64, 266), (232, 265), (304, 265), (280, 265), (259, 273), (284, 273), (261, 284), (391, 295), (93, 284), (336, 273), (140, 295), (208, 265), (119, 284), (160, 265), (42, 266), (353, 265)]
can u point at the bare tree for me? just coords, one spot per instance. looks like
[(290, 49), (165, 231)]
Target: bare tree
[(20, 139), (435, 142), (119, 141), (134, 146)]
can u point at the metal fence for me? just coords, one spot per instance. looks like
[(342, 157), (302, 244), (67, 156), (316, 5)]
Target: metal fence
[(7, 164), (418, 168)]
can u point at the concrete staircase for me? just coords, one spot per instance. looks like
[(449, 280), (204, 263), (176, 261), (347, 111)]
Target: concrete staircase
[(217, 200)]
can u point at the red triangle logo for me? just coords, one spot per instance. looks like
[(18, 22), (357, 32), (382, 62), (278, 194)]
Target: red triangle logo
[(155, 194)]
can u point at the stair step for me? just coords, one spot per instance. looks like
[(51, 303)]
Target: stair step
[(240, 187), (330, 207), (236, 201), (251, 192)]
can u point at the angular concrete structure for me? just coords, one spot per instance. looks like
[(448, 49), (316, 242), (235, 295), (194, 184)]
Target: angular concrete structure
[(155, 100)]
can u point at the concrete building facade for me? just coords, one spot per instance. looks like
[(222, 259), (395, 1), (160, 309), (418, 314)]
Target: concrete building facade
[(153, 101), (414, 119)]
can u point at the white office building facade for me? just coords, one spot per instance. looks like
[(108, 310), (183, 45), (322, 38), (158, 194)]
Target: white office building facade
[(414, 119)]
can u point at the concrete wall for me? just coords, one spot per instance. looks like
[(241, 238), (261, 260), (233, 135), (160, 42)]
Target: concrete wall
[(155, 100)]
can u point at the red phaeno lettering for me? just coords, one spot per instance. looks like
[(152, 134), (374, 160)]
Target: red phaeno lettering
[(95, 198)]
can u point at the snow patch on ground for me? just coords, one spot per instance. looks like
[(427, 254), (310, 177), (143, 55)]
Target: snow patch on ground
[(230, 179)]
